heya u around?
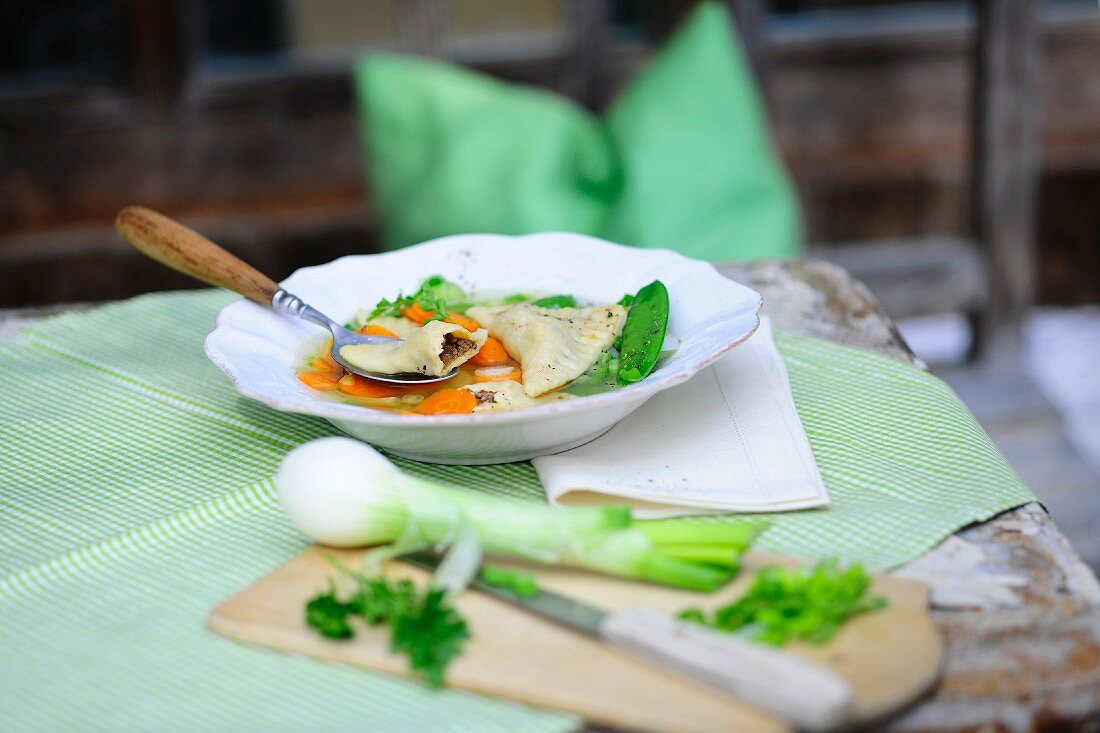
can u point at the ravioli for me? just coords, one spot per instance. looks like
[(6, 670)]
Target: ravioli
[(486, 314), (554, 346), (432, 349), (508, 395)]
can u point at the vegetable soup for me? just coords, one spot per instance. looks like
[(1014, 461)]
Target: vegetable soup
[(510, 352)]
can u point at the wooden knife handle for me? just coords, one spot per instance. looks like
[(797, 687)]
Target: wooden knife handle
[(811, 696), (185, 250)]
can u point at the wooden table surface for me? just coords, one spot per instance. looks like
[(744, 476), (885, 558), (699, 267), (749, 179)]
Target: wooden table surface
[(1032, 666)]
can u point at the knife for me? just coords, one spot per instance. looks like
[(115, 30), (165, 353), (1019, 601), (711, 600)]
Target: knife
[(811, 696)]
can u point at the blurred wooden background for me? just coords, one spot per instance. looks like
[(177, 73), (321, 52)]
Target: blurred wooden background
[(238, 117)]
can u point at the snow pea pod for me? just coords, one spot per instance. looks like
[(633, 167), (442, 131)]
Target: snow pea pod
[(643, 333)]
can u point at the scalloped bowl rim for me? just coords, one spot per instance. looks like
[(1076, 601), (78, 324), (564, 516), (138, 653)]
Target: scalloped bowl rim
[(308, 405)]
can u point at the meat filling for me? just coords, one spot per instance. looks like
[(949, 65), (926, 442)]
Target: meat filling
[(454, 347), (486, 397)]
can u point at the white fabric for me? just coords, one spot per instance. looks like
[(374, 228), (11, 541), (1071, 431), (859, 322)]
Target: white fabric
[(729, 440)]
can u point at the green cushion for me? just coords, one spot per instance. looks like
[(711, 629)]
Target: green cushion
[(683, 159)]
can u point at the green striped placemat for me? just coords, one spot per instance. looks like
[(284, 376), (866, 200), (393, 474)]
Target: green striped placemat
[(134, 496)]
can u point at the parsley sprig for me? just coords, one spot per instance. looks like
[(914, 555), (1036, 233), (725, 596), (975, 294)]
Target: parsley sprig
[(795, 603), (423, 625), (436, 295)]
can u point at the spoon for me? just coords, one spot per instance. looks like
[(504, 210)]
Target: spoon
[(187, 251)]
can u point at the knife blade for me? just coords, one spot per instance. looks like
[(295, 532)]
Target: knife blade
[(559, 609), (812, 696)]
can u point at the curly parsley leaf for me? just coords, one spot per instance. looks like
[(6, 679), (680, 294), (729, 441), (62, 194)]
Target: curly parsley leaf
[(386, 308), (784, 603), (436, 295), (431, 633), (423, 626), (329, 615)]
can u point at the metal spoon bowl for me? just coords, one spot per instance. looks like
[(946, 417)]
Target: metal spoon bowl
[(185, 250)]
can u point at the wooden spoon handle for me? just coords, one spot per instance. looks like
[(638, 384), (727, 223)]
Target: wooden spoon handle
[(187, 251)]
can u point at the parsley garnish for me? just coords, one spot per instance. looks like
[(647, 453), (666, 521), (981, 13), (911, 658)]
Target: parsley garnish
[(431, 634), (795, 603), (329, 615), (424, 626), (435, 295)]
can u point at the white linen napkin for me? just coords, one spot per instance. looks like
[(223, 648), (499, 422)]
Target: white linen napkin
[(729, 440)]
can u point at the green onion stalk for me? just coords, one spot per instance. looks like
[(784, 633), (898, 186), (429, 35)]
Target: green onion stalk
[(343, 493)]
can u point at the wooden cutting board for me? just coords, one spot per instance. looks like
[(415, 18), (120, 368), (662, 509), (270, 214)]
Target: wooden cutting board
[(889, 657)]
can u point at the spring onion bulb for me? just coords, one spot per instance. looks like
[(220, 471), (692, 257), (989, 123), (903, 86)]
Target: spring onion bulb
[(343, 493)]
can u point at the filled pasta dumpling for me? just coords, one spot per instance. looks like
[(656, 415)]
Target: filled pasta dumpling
[(486, 314), (508, 395), (433, 349), (554, 346)]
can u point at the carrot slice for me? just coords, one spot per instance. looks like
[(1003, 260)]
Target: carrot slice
[(512, 376), (318, 381), (415, 313), (449, 402), (460, 320), (357, 386), (374, 329), (325, 365), (491, 354)]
